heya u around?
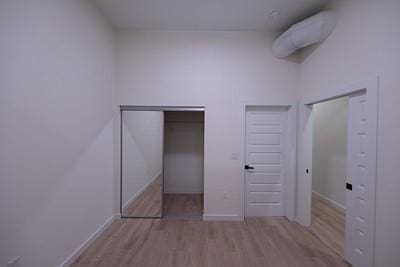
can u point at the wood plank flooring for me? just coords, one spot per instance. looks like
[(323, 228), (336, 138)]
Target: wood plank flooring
[(186, 205), (328, 224), (148, 204), (254, 242)]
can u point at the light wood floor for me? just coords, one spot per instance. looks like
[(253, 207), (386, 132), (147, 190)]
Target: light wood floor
[(148, 204), (183, 205), (255, 242), (328, 224)]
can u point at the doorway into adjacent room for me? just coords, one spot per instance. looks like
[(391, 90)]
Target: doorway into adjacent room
[(329, 172), (342, 174)]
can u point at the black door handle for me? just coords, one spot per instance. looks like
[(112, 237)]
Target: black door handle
[(248, 167), (349, 186)]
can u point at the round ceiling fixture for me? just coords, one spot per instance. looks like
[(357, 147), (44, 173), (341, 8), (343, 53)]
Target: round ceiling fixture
[(274, 14)]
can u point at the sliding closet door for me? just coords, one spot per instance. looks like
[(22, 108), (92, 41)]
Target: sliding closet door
[(142, 163)]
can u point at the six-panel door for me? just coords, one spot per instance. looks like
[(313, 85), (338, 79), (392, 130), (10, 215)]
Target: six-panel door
[(265, 153)]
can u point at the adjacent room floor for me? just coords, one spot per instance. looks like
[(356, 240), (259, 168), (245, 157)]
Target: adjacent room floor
[(328, 224)]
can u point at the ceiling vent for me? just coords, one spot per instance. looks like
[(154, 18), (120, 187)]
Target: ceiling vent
[(307, 32)]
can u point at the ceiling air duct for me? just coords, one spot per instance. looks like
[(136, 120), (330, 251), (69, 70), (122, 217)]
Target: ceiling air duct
[(307, 32)]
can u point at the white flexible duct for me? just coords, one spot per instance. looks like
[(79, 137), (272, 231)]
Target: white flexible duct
[(307, 32)]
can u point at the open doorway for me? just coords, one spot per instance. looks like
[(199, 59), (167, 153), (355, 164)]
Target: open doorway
[(183, 164), (329, 173), (360, 183)]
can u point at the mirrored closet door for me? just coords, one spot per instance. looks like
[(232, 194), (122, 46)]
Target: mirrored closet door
[(142, 134)]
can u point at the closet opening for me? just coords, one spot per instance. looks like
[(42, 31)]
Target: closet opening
[(162, 162), (183, 164)]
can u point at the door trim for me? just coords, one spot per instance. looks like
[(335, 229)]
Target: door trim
[(303, 193), (290, 170)]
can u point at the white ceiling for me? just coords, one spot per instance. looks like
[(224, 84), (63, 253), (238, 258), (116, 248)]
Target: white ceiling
[(207, 14)]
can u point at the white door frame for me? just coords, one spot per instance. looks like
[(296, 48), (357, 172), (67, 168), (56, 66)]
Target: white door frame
[(290, 179), (304, 179)]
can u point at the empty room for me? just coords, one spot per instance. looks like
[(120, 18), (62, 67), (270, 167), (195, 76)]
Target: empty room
[(199, 133)]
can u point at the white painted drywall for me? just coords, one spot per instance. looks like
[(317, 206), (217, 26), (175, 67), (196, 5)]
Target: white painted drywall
[(56, 133), (184, 152), (364, 43), (330, 150), (142, 151), (219, 70)]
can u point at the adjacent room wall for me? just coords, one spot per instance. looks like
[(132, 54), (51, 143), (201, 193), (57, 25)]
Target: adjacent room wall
[(219, 70), (330, 151), (184, 152), (142, 152), (56, 133), (366, 43)]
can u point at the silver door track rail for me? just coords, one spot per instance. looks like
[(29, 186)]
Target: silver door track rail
[(162, 108)]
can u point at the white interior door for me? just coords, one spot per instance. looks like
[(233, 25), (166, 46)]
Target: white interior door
[(266, 131), (360, 186)]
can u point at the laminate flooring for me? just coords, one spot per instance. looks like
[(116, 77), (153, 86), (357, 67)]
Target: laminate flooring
[(148, 204), (254, 242), (185, 205), (328, 224)]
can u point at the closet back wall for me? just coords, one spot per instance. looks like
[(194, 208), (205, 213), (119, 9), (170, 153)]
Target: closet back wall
[(184, 152)]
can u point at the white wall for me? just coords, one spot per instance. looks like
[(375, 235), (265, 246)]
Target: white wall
[(142, 151), (218, 70), (364, 43), (56, 133), (184, 152), (330, 150)]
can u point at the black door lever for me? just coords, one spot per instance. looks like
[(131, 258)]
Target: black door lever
[(349, 186), (248, 167)]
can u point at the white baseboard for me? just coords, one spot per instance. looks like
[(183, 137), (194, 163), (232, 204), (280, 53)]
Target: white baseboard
[(173, 190), (137, 194), (87, 243), (222, 217), (329, 201)]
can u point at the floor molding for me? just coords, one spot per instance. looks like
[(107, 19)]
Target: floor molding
[(329, 201), (183, 217), (88, 242), (222, 217), (182, 191)]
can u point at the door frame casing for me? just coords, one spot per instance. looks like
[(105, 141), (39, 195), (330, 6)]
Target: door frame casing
[(291, 147), (305, 123)]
